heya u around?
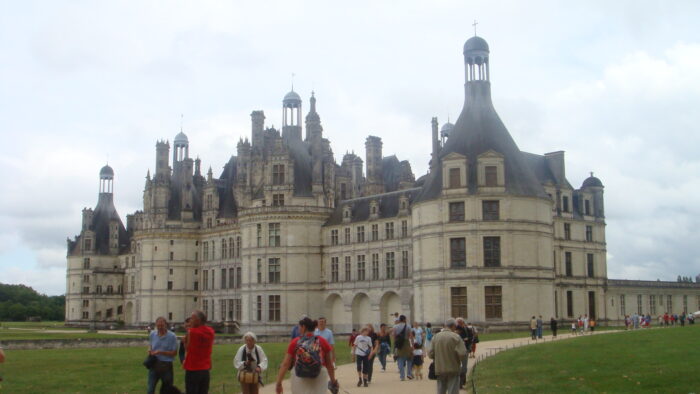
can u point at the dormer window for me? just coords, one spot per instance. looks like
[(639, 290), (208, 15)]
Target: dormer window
[(455, 181), (347, 213), (454, 173), (491, 175), (374, 209), (491, 172), (278, 174)]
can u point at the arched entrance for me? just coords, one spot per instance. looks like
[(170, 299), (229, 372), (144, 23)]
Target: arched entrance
[(129, 314), (361, 313), (390, 304), (334, 312)]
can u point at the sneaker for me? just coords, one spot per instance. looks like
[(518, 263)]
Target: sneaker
[(366, 384), (359, 383), (410, 378)]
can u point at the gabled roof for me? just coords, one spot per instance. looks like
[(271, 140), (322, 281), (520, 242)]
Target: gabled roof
[(388, 206)]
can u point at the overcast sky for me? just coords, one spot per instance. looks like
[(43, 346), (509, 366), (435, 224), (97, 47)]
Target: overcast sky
[(614, 84)]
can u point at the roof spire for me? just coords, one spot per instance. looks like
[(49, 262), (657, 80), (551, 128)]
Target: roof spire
[(474, 24), (182, 118), (293, 82)]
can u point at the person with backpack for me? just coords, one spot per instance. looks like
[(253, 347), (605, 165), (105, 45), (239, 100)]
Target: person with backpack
[(251, 362), (404, 350), (310, 359)]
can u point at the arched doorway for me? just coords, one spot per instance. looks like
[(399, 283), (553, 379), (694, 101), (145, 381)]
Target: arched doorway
[(334, 312), (390, 304), (361, 313), (129, 314)]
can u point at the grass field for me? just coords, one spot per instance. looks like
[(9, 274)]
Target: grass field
[(656, 360), (118, 370), (494, 336)]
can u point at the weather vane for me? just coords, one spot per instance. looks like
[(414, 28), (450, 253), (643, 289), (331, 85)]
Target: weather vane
[(474, 24), (293, 82), (182, 119)]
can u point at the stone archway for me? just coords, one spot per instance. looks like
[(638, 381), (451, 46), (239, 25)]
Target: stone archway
[(361, 311), (129, 314), (389, 304), (334, 311)]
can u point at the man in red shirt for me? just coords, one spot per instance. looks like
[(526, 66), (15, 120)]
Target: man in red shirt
[(200, 340)]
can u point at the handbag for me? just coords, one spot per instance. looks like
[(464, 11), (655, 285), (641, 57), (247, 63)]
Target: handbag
[(248, 377), (431, 371), (150, 361)]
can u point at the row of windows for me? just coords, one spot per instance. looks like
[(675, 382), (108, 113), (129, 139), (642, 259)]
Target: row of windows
[(490, 210), (361, 273), (274, 308), (228, 250), (229, 309), (455, 177), (491, 248), (373, 235), (567, 232), (566, 208), (493, 302), (230, 278), (568, 264), (108, 290), (651, 304), (570, 304)]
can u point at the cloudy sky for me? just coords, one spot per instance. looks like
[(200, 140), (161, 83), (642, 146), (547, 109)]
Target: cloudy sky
[(614, 84)]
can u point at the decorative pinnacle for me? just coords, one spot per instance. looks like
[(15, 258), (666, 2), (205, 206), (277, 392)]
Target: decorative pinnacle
[(474, 24)]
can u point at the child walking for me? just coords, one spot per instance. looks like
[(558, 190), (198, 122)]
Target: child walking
[(418, 360)]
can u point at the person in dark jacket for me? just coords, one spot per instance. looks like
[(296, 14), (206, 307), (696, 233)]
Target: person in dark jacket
[(553, 326)]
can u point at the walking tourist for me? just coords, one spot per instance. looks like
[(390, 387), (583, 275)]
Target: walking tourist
[(375, 350), (533, 327), (428, 335), (418, 333), (200, 341), (540, 323), (251, 362), (362, 348), (475, 340), (553, 326), (591, 324), (162, 345), (466, 334), (573, 327), (327, 334), (448, 355), (310, 356), (402, 346), (384, 338), (418, 357)]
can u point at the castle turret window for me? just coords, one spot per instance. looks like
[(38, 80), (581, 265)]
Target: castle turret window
[(390, 265), (278, 174), (589, 233), (490, 210), (360, 233), (458, 253), (455, 176), (334, 237), (458, 301), (375, 266), (361, 267), (492, 251), (493, 302), (334, 269), (491, 175), (274, 270), (457, 211), (274, 234), (389, 229)]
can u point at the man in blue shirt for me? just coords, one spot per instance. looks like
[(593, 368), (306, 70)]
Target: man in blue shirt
[(163, 345), (326, 334)]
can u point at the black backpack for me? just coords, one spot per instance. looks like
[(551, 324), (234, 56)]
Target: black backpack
[(401, 338)]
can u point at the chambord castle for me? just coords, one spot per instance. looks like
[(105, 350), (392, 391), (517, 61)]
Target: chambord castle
[(490, 233)]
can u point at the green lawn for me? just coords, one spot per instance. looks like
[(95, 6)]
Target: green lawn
[(656, 360), (54, 325), (34, 335), (494, 336), (118, 370)]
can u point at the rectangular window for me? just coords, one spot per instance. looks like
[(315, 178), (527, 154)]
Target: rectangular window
[(334, 269), (348, 269), (86, 263), (669, 303), (274, 268), (238, 247), (258, 228), (238, 308), (457, 211), (86, 278), (170, 285), (567, 231), (88, 244), (360, 233), (222, 309), (205, 251), (209, 222), (239, 277), (458, 253), (86, 303), (172, 256), (231, 278), (195, 285), (209, 200), (652, 305), (685, 304), (375, 232), (570, 303), (205, 307), (274, 234), (565, 203), (458, 301), (390, 267), (223, 278), (347, 235), (639, 304), (404, 228), (361, 267), (334, 237), (86, 315), (493, 302), (278, 174), (569, 265), (230, 310), (492, 251), (375, 266), (404, 264), (224, 248), (490, 210), (274, 308), (587, 207), (232, 248), (259, 308), (213, 281), (278, 200), (259, 272), (623, 312), (389, 230), (589, 265), (455, 180), (589, 233), (491, 175), (205, 279)]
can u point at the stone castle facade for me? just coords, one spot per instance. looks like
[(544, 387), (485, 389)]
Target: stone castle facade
[(490, 233)]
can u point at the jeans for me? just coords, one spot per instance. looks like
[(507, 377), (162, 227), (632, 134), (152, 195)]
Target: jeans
[(448, 384), (405, 367), (197, 382), (539, 332), (463, 372), (370, 368), (164, 374), (383, 352)]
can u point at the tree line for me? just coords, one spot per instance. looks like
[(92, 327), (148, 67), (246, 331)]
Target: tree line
[(20, 303)]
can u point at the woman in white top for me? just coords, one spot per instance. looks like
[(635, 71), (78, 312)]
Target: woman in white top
[(251, 358), (362, 351)]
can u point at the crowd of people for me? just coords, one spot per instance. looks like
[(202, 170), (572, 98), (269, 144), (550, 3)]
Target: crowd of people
[(636, 321)]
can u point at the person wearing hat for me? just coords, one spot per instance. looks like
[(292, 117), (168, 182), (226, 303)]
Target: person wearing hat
[(250, 358)]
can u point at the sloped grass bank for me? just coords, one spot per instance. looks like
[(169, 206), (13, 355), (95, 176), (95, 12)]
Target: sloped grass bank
[(652, 360)]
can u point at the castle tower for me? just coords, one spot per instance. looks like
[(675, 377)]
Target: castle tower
[(162, 168), (106, 179), (258, 125), (181, 147), (291, 116), (373, 155), (436, 145), (314, 131)]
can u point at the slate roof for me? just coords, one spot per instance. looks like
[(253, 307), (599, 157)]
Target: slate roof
[(228, 207), (539, 166), (300, 152), (478, 130), (105, 212), (388, 206)]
